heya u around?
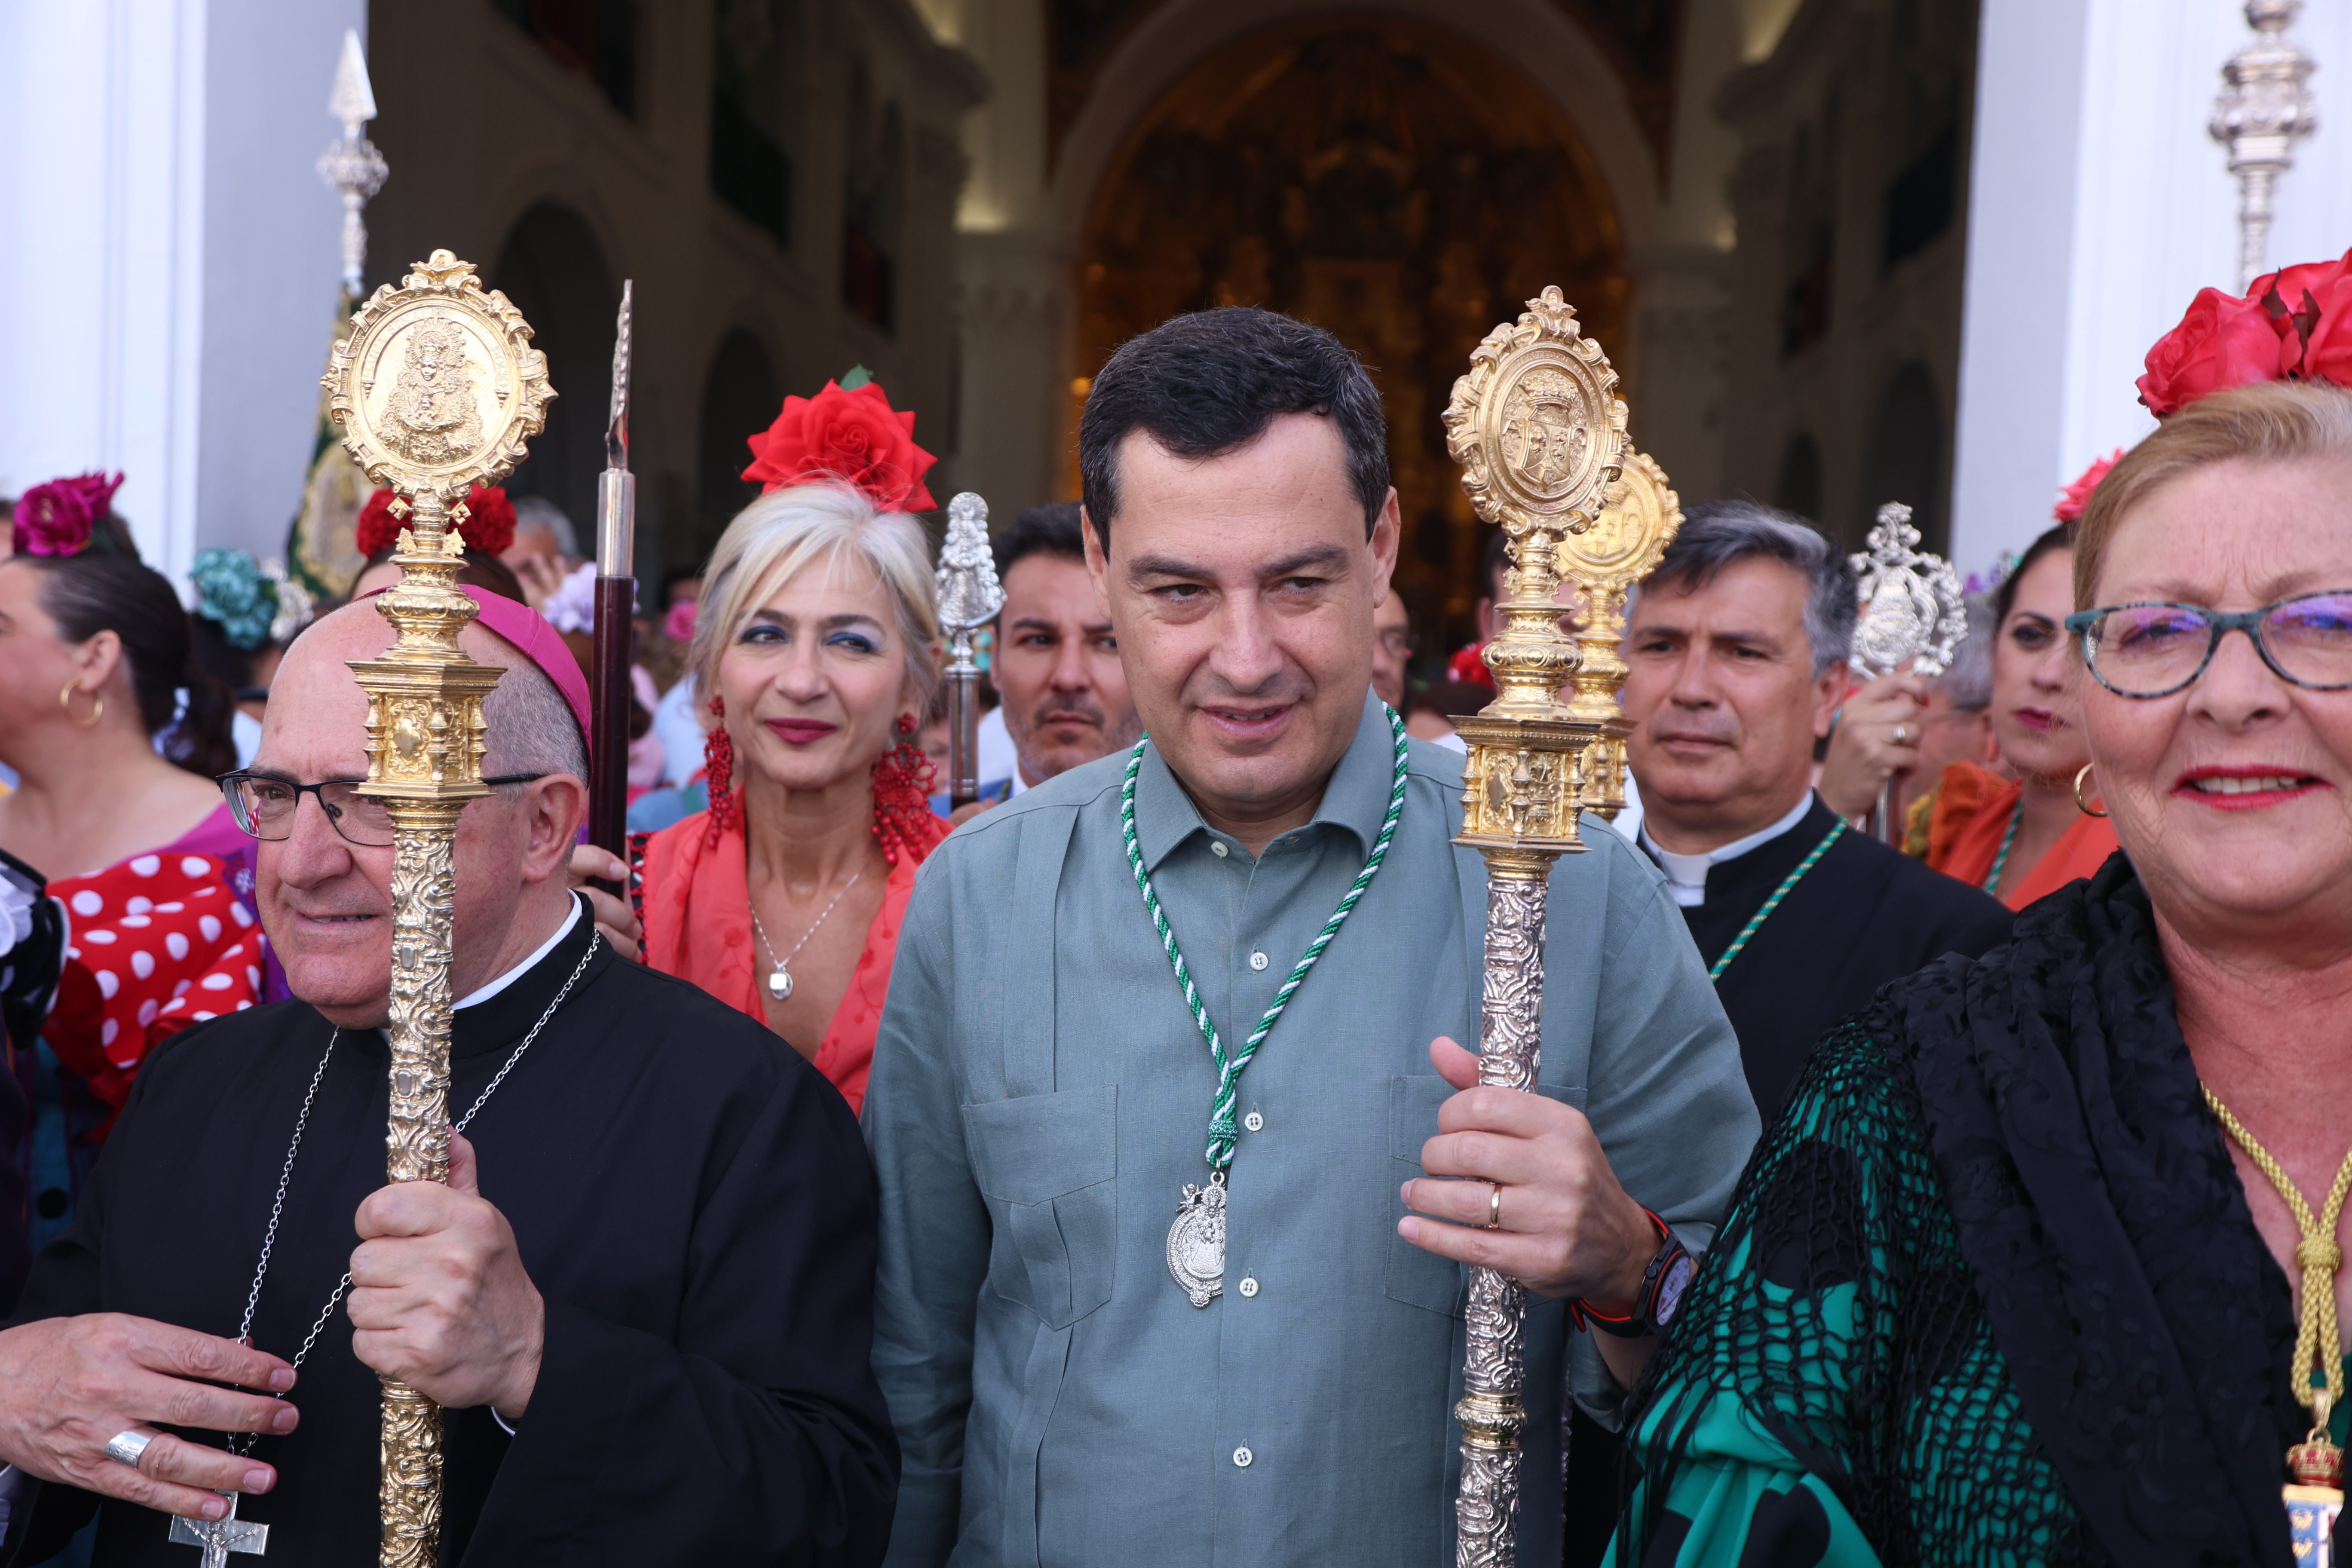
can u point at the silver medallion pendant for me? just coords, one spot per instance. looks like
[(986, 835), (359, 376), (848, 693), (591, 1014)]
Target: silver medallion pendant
[(780, 983), (1196, 1242)]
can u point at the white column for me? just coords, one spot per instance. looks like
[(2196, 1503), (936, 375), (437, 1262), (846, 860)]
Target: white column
[(157, 309), (2098, 206)]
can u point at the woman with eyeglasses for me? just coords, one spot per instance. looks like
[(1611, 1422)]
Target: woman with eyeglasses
[(2031, 833), (2042, 1261), (143, 859)]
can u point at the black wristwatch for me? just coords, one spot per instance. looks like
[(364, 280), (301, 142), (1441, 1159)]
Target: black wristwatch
[(1664, 1285)]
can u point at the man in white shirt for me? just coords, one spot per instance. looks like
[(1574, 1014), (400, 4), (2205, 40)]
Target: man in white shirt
[(1057, 663)]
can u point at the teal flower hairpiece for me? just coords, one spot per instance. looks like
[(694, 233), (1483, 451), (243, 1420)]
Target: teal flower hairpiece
[(232, 594)]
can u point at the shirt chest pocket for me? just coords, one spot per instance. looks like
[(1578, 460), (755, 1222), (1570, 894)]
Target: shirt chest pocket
[(1411, 1274), (1047, 1164)]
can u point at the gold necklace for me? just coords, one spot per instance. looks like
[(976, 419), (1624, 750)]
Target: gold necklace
[(2316, 1494)]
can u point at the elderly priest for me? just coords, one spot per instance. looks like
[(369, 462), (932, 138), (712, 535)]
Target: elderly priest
[(645, 1294), (1117, 1326)]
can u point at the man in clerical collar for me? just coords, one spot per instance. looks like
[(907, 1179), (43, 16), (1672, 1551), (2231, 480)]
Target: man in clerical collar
[(1124, 1315), (1737, 648), (644, 1295)]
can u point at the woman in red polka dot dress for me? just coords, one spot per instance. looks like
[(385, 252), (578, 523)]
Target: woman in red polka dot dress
[(143, 859)]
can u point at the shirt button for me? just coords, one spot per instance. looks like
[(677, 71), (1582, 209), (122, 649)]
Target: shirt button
[(1253, 1121), (1257, 961), (1249, 1285), (1218, 849), (1242, 1457)]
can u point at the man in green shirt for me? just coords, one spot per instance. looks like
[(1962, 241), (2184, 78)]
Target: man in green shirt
[(1172, 1267)]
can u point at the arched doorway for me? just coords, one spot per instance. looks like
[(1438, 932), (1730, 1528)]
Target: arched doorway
[(1401, 186), (553, 269), (741, 396)]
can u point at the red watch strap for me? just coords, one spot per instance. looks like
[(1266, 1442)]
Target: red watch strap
[(1583, 1314)]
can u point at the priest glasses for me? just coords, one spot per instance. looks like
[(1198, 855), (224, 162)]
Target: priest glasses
[(2155, 648), (264, 805)]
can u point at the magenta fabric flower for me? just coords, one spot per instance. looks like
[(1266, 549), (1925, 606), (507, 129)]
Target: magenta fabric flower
[(55, 518)]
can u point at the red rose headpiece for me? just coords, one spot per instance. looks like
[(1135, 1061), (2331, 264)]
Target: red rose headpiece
[(489, 525), (850, 435), (2295, 324), (57, 518), (2076, 496)]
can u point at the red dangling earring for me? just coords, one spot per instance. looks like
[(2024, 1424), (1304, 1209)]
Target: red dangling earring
[(718, 781), (903, 776)]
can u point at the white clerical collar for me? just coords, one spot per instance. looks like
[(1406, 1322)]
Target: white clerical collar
[(483, 993), (1686, 874)]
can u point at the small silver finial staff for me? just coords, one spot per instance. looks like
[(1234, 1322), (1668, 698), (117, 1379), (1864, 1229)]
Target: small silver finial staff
[(616, 595), (352, 164), (1914, 612), (2263, 110), (969, 597)]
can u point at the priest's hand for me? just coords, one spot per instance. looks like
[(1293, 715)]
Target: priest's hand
[(69, 1385), (1877, 736), (590, 865), (1566, 1227), (439, 1299)]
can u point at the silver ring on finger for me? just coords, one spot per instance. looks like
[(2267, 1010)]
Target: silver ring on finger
[(127, 1445), (1493, 1206), (1902, 734)]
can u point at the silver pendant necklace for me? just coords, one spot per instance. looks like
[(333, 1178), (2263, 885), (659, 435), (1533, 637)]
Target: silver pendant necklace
[(1196, 1239), (780, 977), (219, 1537)]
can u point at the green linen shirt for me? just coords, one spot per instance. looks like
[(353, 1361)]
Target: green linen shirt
[(1040, 1098)]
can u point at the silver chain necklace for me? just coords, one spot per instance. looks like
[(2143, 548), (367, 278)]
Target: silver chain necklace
[(241, 1443), (780, 978)]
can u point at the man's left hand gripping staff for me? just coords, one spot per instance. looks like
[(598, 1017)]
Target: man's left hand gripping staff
[(1566, 1228)]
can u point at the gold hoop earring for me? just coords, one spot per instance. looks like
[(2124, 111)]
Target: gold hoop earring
[(65, 701), (2080, 803)]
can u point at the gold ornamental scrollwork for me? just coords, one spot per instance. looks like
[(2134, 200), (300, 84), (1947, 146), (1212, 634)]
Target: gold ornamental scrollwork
[(436, 389), (1623, 545), (1539, 432)]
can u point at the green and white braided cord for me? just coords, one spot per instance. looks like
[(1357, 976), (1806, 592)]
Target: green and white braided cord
[(1223, 1135)]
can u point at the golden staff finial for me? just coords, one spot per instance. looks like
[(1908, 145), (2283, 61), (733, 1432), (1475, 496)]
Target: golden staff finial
[(437, 389), (1539, 432)]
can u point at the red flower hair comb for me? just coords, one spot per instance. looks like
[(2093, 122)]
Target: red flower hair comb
[(849, 434), (2295, 324)]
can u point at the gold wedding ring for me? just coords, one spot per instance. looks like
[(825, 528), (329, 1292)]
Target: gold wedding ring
[(1495, 1205)]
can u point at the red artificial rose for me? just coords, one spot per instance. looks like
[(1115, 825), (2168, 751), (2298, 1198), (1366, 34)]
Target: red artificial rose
[(2074, 498), (2290, 298), (2327, 354), (855, 436), (490, 526), (2223, 341), (57, 518)]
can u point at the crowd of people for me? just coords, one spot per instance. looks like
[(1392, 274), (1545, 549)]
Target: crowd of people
[(1087, 1173)]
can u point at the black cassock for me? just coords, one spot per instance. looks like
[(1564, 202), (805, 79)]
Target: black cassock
[(1865, 914), (689, 1196)]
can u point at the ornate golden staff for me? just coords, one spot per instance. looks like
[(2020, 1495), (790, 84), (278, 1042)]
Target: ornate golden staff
[(1541, 435), (436, 389), (1621, 548)]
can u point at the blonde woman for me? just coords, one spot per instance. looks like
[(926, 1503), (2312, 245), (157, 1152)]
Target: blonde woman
[(817, 646)]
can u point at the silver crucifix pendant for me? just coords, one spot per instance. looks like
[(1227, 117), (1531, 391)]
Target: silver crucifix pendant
[(221, 1536), (1196, 1242)]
